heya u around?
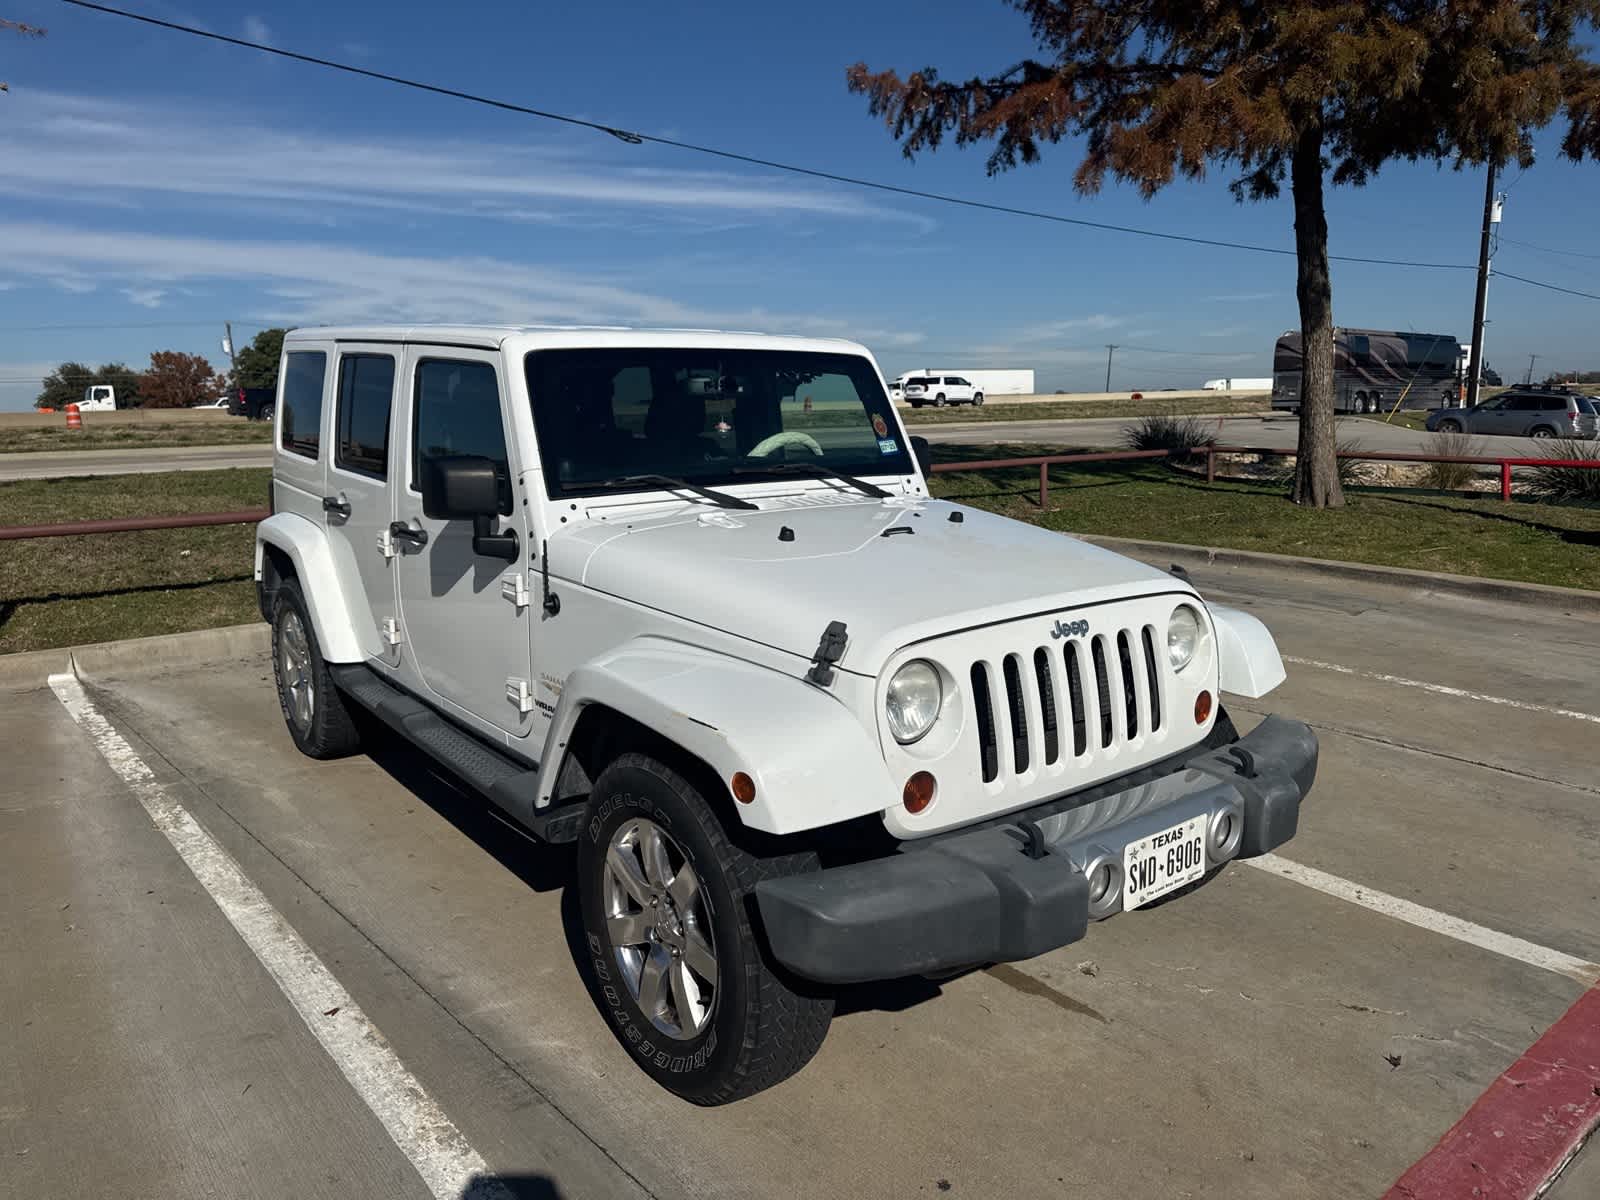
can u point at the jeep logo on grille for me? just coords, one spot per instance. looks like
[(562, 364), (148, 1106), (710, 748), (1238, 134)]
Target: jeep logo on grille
[(1066, 629)]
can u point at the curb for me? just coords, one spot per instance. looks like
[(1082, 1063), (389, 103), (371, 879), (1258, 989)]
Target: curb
[(1571, 600), (27, 671)]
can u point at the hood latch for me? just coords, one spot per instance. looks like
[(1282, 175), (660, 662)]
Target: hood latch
[(829, 650)]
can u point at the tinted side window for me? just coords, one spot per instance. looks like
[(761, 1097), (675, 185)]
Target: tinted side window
[(1554, 404), (302, 401), (366, 392), (458, 412)]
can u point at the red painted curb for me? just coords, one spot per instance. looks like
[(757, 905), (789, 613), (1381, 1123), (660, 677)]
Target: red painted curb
[(1525, 1127)]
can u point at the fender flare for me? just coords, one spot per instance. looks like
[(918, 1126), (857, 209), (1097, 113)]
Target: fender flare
[(1248, 663), (307, 548), (812, 762)]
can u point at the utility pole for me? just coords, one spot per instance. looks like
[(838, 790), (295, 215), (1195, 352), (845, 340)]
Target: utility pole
[(1110, 350), (1532, 358), (1491, 216)]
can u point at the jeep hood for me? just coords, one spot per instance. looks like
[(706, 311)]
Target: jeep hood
[(742, 572)]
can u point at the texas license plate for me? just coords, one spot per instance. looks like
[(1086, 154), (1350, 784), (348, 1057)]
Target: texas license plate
[(1163, 862)]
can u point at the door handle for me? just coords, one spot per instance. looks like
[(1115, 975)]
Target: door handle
[(403, 531), (337, 505)]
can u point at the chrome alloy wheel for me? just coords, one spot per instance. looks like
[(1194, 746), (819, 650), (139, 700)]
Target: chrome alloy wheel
[(660, 928), (294, 668)]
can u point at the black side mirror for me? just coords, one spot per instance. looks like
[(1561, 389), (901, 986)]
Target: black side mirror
[(462, 486), (923, 453)]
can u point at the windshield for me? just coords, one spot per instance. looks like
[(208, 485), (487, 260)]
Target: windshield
[(709, 416)]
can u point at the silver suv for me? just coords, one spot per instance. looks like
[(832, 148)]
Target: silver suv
[(1521, 412)]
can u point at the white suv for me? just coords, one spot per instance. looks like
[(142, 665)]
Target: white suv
[(682, 598), (940, 390)]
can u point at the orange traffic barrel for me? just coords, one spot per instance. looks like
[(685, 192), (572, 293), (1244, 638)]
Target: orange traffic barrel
[(74, 421)]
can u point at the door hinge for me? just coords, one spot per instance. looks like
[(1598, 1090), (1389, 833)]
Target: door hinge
[(517, 692), (386, 543), (391, 632), (515, 589)]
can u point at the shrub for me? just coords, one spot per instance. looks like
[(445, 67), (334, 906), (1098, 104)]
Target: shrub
[(1350, 469), (1558, 482), (1158, 432), (1452, 477)]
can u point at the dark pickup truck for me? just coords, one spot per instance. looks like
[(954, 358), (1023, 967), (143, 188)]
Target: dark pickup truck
[(256, 403)]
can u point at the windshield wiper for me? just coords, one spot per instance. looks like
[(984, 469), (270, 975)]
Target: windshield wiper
[(816, 471), (672, 481)]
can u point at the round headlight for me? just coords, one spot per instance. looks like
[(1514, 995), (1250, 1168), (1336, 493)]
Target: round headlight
[(913, 699), (1183, 636)]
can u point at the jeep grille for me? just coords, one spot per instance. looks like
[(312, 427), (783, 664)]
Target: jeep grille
[(1124, 701)]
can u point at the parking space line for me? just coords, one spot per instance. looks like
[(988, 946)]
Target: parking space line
[(442, 1156), (1526, 1126), (1443, 690), (1493, 940)]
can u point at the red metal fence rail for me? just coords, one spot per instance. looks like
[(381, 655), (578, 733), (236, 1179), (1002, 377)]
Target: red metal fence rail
[(1042, 461)]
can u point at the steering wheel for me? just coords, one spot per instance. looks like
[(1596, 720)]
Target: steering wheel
[(789, 437)]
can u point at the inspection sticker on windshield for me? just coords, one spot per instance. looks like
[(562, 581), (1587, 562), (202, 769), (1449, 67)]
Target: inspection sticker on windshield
[(1163, 862), (887, 445), (879, 425)]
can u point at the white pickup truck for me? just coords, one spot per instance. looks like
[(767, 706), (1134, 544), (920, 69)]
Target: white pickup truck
[(683, 599)]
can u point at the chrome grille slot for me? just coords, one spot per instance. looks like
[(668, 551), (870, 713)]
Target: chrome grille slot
[(1152, 674), (1017, 714), (1047, 705), (988, 747)]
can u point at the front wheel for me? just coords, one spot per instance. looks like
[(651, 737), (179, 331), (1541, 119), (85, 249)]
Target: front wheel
[(1449, 426), (668, 906), (977, 399), (312, 707)]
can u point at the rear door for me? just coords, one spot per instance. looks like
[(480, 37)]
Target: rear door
[(466, 617), (357, 508)]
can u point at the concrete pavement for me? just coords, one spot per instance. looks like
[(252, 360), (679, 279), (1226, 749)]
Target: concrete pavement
[(1254, 1039), (58, 464)]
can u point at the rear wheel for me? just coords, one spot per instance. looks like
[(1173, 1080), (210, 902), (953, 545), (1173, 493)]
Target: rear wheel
[(312, 707), (1543, 431), (268, 411), (938, 401), (668, 905)]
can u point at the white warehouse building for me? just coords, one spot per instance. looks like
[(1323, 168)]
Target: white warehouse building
[(990, 383)]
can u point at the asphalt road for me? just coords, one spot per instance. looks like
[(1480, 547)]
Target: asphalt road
[(58, 464), (1256, 1038), (1277, 431)]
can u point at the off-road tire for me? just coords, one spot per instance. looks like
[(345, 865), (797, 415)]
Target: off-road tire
[(764, 1026), (331, 732)]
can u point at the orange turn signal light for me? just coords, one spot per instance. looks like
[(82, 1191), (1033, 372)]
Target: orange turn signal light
[(919, 791), (744, 788), (1202, 708)]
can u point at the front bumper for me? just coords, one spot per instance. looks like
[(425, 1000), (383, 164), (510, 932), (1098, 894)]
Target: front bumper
[(1017, 890)]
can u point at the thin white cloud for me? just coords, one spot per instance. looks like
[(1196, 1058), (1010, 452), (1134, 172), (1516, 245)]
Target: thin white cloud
[(1049, 331), (255, 30), (145, 297), (58, 146), (1238, 297), (304, 282)]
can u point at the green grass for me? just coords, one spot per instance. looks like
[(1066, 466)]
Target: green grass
[(1535, 543), (1051, 410), (224, 431), (101, 587), (69, 591)]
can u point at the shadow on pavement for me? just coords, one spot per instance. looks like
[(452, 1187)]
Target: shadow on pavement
[(518, 1187)]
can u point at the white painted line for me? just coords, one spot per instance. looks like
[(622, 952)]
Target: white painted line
[(1441, 689), (1481, 936), (419, 1127)]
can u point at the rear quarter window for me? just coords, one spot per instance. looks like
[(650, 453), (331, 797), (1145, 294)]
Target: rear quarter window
[(303, 374)]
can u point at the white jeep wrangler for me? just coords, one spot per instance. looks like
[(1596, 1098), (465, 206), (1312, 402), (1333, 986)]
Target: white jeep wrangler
[(682, 598)]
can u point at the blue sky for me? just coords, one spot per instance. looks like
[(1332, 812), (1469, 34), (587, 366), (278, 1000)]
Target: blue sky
[(154, 185)]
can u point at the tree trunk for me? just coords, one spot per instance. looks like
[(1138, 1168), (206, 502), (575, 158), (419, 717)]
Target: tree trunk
[(1316, 472)]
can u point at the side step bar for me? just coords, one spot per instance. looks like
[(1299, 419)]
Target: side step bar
[(508, 782)]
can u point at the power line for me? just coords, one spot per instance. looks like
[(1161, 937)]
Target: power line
[(1182, 353), (1548, 249), (1547, 286), (634, 138)]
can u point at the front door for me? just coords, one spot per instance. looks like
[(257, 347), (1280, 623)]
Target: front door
[(465, 616), (356, 506)]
